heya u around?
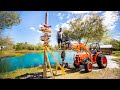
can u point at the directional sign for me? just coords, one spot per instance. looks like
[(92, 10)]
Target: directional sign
[(45, 29), (44, 38), (46, 34)]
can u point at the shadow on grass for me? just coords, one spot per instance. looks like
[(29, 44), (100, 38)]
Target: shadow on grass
[(30, 76), (38, 75), (82, 70), (72, 70)]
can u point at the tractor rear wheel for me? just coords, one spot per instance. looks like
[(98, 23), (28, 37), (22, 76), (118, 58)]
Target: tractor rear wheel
[(88, 65), (101, 61)]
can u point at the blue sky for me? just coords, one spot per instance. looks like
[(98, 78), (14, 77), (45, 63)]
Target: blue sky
[(28, 29)]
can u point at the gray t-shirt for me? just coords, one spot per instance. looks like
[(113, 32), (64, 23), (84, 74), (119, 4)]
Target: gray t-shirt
[(59, 35)]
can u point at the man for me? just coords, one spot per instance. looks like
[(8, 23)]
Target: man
[(60, 36)]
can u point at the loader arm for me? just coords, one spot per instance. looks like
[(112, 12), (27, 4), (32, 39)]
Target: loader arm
[(78, 46)]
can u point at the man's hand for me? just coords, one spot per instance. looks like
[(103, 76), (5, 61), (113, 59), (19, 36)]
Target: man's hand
[(64, 35)]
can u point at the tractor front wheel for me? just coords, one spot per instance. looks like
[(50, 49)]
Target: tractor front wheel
[(88, 66)]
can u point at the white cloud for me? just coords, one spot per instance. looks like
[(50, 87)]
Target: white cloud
[(61, 25), (86, 16), (109, 19), (40, 25), (60, 15), (117, 37), (38, 31), (57, 27), (65, 25), (79, 12), (32, 28), (83, 12), (119, 33)]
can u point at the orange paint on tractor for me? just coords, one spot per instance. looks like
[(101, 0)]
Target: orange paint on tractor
[(88, 58)]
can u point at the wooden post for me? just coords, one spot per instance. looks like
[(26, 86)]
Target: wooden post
[(45, 52), (46, 18), (45, 65)]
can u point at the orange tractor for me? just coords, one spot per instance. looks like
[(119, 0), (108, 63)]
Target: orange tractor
[(89, 57)]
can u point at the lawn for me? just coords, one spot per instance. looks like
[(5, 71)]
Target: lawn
[(19, 72), (117, 59), (116, 54)]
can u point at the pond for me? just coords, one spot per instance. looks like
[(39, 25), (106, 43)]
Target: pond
[(32, 60)]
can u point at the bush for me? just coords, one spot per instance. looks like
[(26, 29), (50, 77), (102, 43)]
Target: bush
[(26, 46)]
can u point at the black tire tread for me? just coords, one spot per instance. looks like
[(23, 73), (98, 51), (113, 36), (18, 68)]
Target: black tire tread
[(99, 61), (86, 63)]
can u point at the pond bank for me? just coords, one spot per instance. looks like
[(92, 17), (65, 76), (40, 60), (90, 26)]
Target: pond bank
[(12, 53)]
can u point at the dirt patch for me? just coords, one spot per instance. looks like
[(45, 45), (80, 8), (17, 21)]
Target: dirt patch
[(112, 64), (102, 74)]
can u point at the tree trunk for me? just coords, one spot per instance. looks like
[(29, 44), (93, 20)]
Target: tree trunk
[(1, 48)]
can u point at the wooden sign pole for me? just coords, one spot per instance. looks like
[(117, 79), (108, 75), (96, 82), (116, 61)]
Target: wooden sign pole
[(45, 52), (45, 65), (46, 29)]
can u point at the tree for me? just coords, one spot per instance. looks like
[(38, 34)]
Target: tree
[(95, 29), (75, 32), (106, 39), (8, 19), (27, 46), (90, 29), (115, 44), (6, 43)]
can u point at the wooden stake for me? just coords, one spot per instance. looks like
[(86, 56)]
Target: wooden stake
[(45, 65), (50, 67), (57, 63)]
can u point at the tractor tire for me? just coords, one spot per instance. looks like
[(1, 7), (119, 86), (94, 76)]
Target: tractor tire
[(101, 61), (88, 66), (76, 66)]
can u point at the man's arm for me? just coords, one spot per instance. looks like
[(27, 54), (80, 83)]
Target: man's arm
[(63, 35)]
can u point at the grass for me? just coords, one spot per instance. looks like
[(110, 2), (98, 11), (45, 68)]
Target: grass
[(117, 55), (12, 53), (117, 59), (9, 54), (19, 72), (70, 74)]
